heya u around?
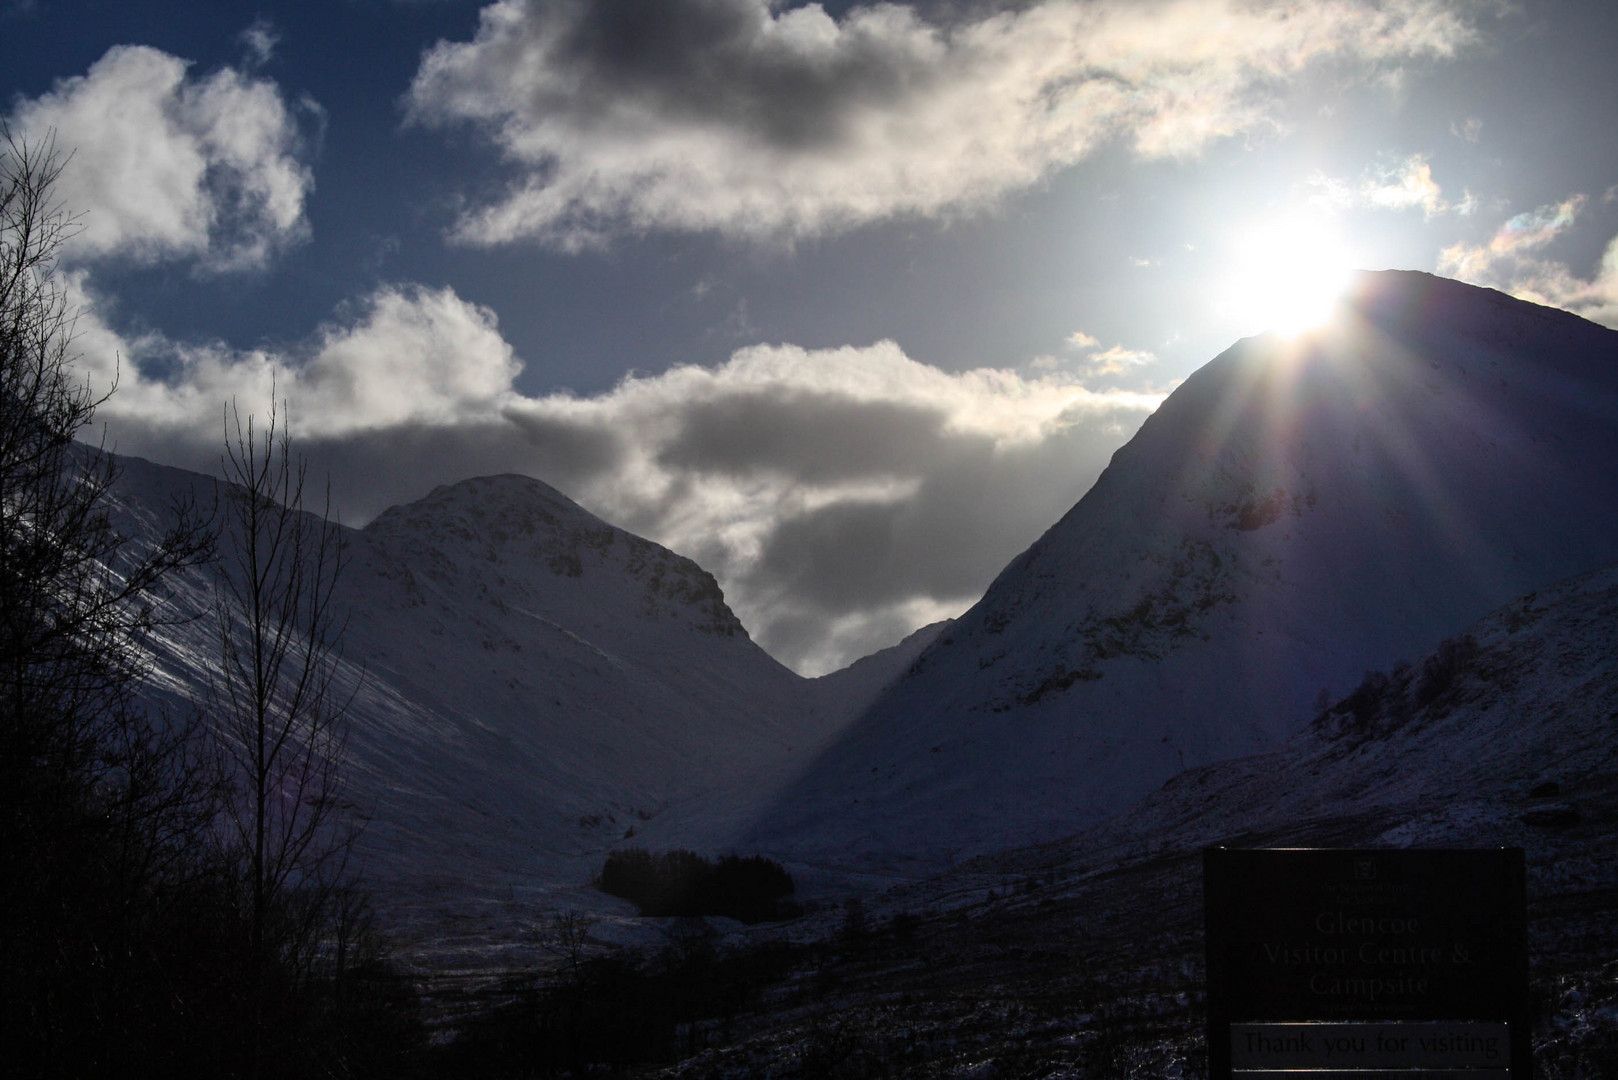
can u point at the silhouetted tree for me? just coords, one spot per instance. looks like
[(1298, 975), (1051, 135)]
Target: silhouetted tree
[(102, 806), (566, 935), (280, 709), (132, 942)]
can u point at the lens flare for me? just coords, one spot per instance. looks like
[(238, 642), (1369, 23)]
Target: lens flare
[(1285, 276)]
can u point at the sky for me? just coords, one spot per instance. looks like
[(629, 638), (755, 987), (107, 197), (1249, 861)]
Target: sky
[(847, 302)]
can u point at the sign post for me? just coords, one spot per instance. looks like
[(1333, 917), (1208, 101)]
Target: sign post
[(1367, 964)]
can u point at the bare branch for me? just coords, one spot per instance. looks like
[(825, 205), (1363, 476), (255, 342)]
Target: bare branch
[(279, 705)]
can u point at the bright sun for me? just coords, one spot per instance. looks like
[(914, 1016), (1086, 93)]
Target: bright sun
[(1286, 275)]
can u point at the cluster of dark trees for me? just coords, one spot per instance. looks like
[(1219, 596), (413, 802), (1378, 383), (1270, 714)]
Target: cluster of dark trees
[(177, 898), (749, 888), (1385, 701)]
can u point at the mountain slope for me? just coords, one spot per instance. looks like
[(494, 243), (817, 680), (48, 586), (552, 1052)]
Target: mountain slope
[(719, 821), (580, 678), (1507, 734), (531, 684), (1296, 513)]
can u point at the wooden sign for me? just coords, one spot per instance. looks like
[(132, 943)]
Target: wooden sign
[(1367, 964)]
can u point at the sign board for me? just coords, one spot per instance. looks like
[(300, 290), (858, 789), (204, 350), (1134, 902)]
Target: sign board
[(1367, 964)]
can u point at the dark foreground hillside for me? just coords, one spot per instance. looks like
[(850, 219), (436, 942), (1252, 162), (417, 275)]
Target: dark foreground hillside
[(1038, 966), (1083, 958)]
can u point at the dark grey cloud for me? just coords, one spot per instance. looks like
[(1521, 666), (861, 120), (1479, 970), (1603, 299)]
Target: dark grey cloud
[(836, 557), (573, 451), (720, 61), (973, 508), (843, 497), (815, 437), (769, 121)]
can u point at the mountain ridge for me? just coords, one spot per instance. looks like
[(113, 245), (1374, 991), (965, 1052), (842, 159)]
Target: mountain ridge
[(529, 683), (1296, 513)]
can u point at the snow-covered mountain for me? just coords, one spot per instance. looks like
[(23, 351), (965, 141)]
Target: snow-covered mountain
[(533, 684), (566, 681), (1296, 513)]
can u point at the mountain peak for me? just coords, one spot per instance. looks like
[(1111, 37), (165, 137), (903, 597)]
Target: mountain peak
[(483, 496), (1299, 511), (521, 533)]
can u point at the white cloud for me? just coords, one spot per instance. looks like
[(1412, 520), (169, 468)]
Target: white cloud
[(414, 356), (1509, 261), (1116, 360), (818, 485), (1553, 283), (1408, 186), (167, 166), (1512, 241), (260, 40), (1404, 186), (1111, 361), (758, 121), (419, 355)]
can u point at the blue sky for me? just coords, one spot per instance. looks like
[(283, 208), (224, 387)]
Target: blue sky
[(849, 303)]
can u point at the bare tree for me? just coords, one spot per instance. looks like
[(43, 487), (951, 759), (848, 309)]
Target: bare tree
[(280, 705), (100, 803), (566, 935), (124, 934), (75, 595)]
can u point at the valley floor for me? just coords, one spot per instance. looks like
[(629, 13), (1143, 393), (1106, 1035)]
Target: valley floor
[(1077, 960)]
